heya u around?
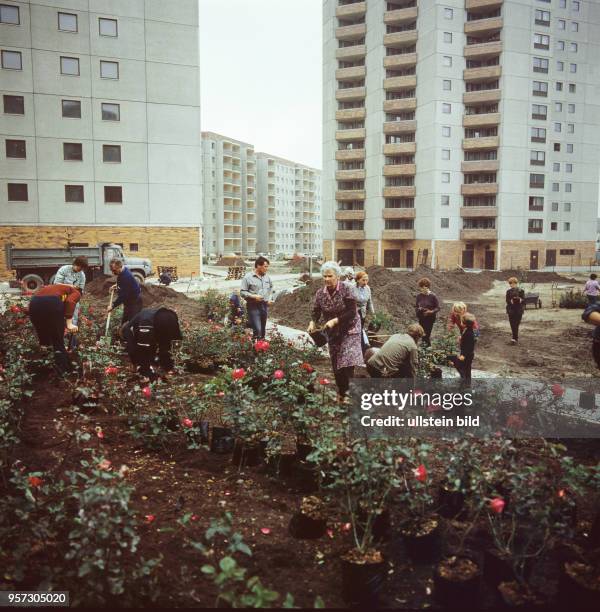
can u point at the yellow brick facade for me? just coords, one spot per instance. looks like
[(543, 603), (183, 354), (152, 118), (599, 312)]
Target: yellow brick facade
[(164, 246), (517, 253), (375, 250)]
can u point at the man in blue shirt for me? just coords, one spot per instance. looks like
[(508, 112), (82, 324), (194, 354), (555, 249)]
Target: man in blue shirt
[(128, 291), (256, 289)]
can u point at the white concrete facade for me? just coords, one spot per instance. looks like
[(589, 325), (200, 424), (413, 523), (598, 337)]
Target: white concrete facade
[(152, 46), (428, 117)]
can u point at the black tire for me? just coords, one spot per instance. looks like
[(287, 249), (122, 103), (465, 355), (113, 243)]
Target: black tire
[(139, 277), (32, 282)]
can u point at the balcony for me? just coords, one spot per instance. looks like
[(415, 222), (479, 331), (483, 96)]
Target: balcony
[(483, 50), (400, 127), (477, 212), (399, 148), (350, 175), (483, 4), (479, 189), (403, 104), (398, 16), (354, 72), (485, 95), (350, 155), (401, 82), (406, 234), (485, 72), (350, 215), (350, 195), (351, 32), (482, 165), (399, 213), (355, 9), (483, 26), (351, 53), (399, 192), (403, 60), (350, 135), (400, 170), (475, 144), (351, 114), (479, 234), (350, 234), (351, 94), (407, 37), (482, 120)]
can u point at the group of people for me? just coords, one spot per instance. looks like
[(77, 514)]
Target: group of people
[(144, 331)]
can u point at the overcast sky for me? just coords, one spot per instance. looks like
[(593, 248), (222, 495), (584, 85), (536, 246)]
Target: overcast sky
[(260, 74)]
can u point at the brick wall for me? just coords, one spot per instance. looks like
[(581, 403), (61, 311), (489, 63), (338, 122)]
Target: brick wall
[(165, 246), (517, 253)]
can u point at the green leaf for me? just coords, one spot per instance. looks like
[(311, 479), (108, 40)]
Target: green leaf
[(208, 569)]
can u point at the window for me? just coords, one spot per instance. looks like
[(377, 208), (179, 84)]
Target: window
[(445, 153), (446, 131), (540, 88), (73, 151), (446, 108), (67, 22), (558, 107), (572, 88), (568, 187), (538, 134), (567, 206), (536, 181), (562, 24), (111, 153), (113, 195), (535, 226), (69, 66), (448, 13), (566, 226), (569, 168), (573, 68), (557, 146), (108, 27), (573, 47), (445, 200), (537, 158), (540, 64), (71, 109), (539, 111), (444, 222), (445, 177), (111, 112), (14, 105), (559, 86), (447, 85), (109, 70), (541, 41), (570, 128), (447, 37), (446, 60), (74, 193), (556, 167), (560, 66), (558, 127), (571, 108), (536, 203), (556, 187), (569, 148), (12, 60), (9, 14), (542, 17), (17, 192), (134, 247), (574, 26), (562, 3), (567, 252), (575, 6), (16, 149), (554, 206), (553, 226), (560, 45)]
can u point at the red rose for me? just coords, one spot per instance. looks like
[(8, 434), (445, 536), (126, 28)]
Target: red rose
[(20, 321), (221, 394), (15, 309), (557, 390), (147, 392), (497, 505), (420, 473), (307, 368), (111, 370), (561, 493), (238, 374), (278, 375), (261, 346), (35, 482), (100, 434), (187, 422), (324, 381), (150, 518)]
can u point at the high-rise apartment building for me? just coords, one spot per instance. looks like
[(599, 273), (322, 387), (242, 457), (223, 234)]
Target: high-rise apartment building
[(461, 132), (230, 220), (289, 206), (100, 127)]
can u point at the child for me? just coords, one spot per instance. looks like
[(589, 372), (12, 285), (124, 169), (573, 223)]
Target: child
[(463, 362), (457, 314), (514, 307), (427, 308), (236, 311)]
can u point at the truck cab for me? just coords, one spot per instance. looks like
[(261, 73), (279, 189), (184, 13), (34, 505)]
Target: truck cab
[(138, 266)]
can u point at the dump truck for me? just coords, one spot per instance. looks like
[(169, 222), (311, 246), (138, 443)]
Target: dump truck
[(37, 267)]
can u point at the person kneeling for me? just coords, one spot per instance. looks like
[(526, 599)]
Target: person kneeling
[(151, 330), (398, 357)]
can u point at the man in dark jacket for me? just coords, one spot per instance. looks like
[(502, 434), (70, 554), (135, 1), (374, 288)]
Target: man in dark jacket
[(150, 331), (515, 300), (128, 291)]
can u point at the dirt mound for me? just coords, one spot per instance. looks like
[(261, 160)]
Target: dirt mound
[(230, 261)]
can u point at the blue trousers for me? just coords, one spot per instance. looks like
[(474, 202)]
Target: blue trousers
[(257, 317)]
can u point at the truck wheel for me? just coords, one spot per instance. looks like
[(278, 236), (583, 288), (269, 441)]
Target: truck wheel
[(33, 282), (139, 277)]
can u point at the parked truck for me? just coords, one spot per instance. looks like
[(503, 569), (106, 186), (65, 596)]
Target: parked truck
[(37, 267)]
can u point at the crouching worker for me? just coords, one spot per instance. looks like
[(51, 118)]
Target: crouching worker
[(398, 357), (152, 330), (51, 311), (464, 361), (235, 317), (592, 315)]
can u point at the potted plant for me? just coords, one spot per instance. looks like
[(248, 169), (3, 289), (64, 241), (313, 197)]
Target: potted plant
[(310, 521)]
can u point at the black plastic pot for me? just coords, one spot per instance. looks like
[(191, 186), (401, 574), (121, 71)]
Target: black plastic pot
[(454, 593), (425, 546), (303, 450), (498, 568), (306, 477), (204, 431), (303, 527), (576, 594), (246, 455), (282, 466), (222, 441), (450, 503), (587, 400), (362, 583)]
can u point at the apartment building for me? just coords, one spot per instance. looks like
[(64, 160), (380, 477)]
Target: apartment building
[(100, 127), (461, 132), (230, 220), (289, 206)]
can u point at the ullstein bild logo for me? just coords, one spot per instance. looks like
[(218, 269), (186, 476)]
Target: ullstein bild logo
[(512, 408)]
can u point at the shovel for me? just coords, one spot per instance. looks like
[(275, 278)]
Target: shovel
[(106, 339)]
